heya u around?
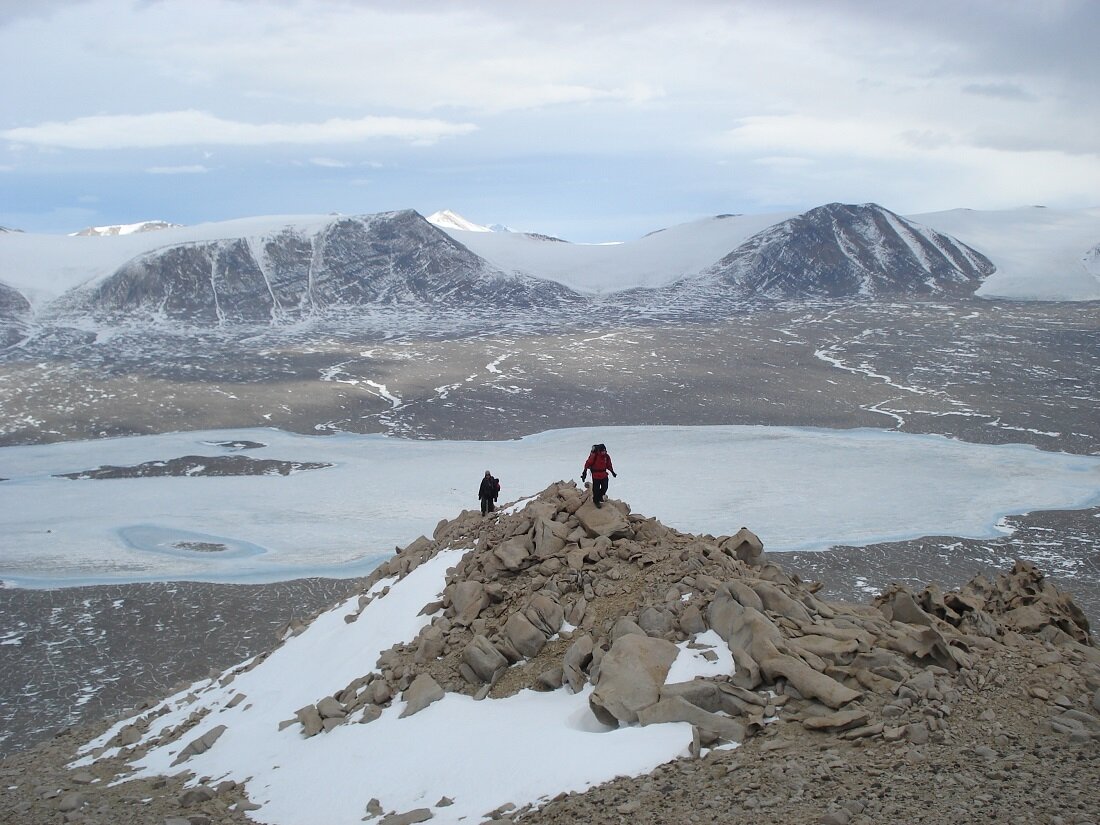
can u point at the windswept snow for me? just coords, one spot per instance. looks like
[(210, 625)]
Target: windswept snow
[(1040, 253), (657, 259), (797, 488)]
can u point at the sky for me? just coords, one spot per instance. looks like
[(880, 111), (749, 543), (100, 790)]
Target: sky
[(591, 122)]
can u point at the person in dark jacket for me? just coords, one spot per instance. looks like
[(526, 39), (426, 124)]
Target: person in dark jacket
[(488, 492), (599, 462)]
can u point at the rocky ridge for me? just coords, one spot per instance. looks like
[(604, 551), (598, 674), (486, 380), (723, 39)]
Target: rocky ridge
[(388, 258), (988, 689), (844, 250)]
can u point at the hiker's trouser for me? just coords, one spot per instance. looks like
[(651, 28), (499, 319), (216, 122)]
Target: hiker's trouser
[(487, 506), (599, 490)]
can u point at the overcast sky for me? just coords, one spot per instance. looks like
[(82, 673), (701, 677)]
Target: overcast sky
[(590, 121)]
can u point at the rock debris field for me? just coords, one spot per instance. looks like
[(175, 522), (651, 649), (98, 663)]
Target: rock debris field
[(979, 704)]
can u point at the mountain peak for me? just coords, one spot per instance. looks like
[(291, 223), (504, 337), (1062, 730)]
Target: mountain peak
[(447, 219), (125, 228)]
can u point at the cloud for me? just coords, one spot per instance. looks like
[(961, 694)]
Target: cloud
[(1004, 91), (192, 128), (330, 163), (194, 169)]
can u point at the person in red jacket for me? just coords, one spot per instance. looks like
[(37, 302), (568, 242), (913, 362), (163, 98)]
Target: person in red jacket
[(599, 462)]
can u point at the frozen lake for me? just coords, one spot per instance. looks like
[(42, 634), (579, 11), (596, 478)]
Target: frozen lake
[(798, 488)]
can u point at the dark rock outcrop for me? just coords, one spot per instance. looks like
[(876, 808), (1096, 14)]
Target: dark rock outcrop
[(843, 251), (389, 258)]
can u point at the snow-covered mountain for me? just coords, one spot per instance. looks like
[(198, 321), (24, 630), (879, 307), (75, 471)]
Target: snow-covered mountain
[(840, 251), (394, 257), (124, 228), (266, 268), (446, 219)]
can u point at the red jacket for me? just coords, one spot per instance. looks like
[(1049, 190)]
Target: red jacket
[(599, 464)]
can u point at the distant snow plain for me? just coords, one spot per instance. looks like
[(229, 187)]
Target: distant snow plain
[(798, 488)]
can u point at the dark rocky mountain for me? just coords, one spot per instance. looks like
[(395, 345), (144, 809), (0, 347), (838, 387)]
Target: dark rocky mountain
[(389, 258), (14, 312), (841, 250)]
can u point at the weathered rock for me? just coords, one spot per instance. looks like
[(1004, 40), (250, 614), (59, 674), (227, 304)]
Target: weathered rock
[(380, 691), (550, 537), (808, 682), (468, 599), (310, 719), (655, 622), (527, 639), (329, 708), (844, 720), (744, 545), (545, 614), (678, 709), (514, 553), (833, 649), (624, 626), (550, 679), (483, 659), (196, 796), (691, 621), (200, 744), (407, 818), (422, 692), (631, 675), (607, 521), (576, 659), (779, 602), (430, 645)]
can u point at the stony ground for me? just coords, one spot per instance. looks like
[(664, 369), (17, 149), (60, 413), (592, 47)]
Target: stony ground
[(982, 372), (980, 704)]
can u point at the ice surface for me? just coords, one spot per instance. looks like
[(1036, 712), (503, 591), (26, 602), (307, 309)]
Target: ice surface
[(798, 488)]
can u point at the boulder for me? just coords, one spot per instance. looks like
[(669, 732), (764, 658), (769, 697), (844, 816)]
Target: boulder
[(899, 605), (576, 660), (700, 692), (468, 599), (691, 621), (844, 720), (550, 537), (514, 553), (631, 676), (329, 708), (545, 614), (678, 709), (310, 719), (607, 521), (430, 646), (483, 659), (779, 602), (746, 546), (199, 745), (624, 626), (835, 650), (527, 639), (655, 622), (744, 594), (422, 692), (808, 682)]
